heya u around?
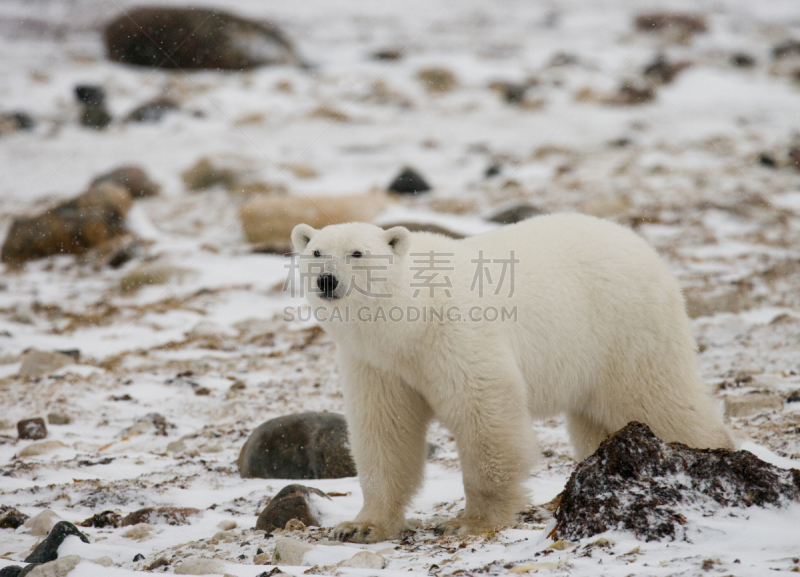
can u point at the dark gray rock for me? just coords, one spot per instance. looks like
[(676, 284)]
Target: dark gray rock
[(514, 214), (291, 502), (47, 550), (153, 111), (132, 178), (637, 482), (11, 518), (10, 571), (409, 181), (303, 446), (195, 38), (103, 520), (93, 98), (33, 429), (14, 121)]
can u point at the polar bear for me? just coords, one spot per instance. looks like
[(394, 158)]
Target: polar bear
[(557, 314)]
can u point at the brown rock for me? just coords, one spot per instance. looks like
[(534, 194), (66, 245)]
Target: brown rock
[(678, 26), (291, 503), (437, 80), (33, 429), (194, 38), (132, 178), (269, 221), (101, 520), (11, 518), (638, 483), (152, 515), (72, 227)]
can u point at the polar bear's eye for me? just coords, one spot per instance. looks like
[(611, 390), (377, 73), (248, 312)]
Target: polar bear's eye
[(316, 253), (357, 254)]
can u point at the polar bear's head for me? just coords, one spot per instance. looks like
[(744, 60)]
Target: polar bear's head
[(353, 260)]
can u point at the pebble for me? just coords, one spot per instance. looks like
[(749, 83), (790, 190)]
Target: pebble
[(289, 551), (227, 525), (59, 419), (409, 181)]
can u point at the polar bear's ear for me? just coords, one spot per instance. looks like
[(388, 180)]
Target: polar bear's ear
[(301, 236), (398, 239)]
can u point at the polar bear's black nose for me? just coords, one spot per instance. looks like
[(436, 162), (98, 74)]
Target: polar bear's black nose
[(327, 283)]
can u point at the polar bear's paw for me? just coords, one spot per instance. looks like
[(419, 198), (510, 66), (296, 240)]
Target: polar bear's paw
[(463, 526), (360, 532)]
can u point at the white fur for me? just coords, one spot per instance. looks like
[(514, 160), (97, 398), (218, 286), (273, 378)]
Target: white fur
[(601, 334)]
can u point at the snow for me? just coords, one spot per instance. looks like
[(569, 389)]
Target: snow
[(688, 175)]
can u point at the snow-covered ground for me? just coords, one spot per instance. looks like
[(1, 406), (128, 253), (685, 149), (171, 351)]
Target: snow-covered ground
[(683, 170)]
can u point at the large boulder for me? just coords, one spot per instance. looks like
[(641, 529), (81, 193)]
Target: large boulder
[(47, 550), (303, 446), (291, 502), (71, 227), (269, 221), (638, 483), (194, 38)]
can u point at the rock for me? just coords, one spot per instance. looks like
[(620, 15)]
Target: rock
[(40, 448), (425, 227), (515, 213), (47, 550), (750, 404), (168, 515), (152, 111), (493, 170), (14, 121), (35, 362), (674, 26), (93, 98), (303, 446), (200, 567), (364, 560), (59, 418), (794, 157), (227, 525), (55, 568), (767, 160), (236, 174), (743, 60), (140, 531), (176, 447), (662, 71), (160, 562), (289, 551), (194, 38), (132, 178), (409, 181), (103, 520), (138, 557), (786, 49), (33, 429), (437, 80), (10, 571), (270, 221), (11, 518), (42, 523), (387, 54), (293, 502), (631, 93), (72, 227), (148, 274), (638, 483)]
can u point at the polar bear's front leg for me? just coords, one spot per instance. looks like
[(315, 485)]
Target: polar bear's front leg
[(497, 447), (387, 421)]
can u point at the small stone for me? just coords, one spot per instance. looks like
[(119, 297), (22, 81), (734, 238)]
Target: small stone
[(751, 404), (200, 567), (6, 424), (55, 568), (176, 447), (103, 520), (138, 557), (11, 518), (153, 111), (289, 551), (632, 93), (132, 178), (158, 563), (40, 448), (139, 531), (58, 419), (365, 560), (35, 362), (562, 545), (786, 49), (292, 503), (42, 523), (47, 550), (676, 26), (437, 80), (767, 160), (387, 54), (513, 214), (663, 71), (493, 170), (409, 181), (261, 559), (14, 121), (794, 157), (227, 525), (33, 429), (303, 446), (95, 115), (743, 60), (168, 515)]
